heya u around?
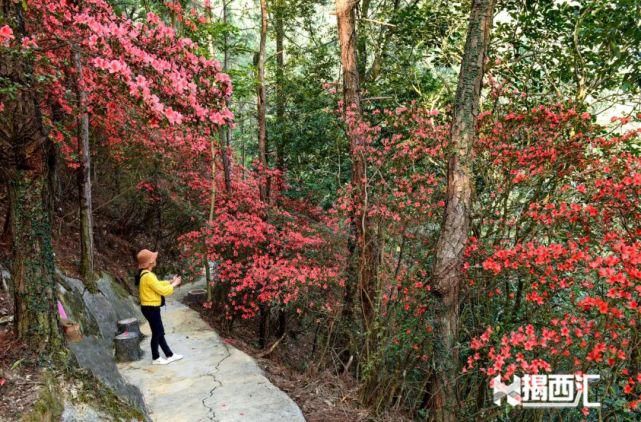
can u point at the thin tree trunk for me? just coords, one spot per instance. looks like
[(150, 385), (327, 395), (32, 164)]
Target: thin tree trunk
[(57, 115), (362, 244), (280, 80), (362, 38), (24, 166), (226, 131), (456, 220), (6, 229), (84, 181), (262, 148), (261, 102), (212, 210), (263, 325)]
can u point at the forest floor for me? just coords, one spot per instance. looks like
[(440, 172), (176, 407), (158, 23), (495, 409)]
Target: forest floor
[(20, 376)]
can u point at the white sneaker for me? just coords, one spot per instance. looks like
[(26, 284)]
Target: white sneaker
[(174, 358), (160, 361)]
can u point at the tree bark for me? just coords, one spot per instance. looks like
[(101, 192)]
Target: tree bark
[(456, 219), (226, 135), (261, 102), (224, 132), (212, 213), (362, 38), (127, 347), (84, 180), (23, 158), (57, 115), (362, 243), (280, 80)]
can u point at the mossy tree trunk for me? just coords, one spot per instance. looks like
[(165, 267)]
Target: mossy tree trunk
[(32, 268), (24, 169)]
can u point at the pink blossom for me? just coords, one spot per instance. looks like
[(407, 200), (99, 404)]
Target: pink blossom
[(6, 34)]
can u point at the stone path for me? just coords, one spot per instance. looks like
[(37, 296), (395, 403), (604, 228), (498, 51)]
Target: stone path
[(214, 382)]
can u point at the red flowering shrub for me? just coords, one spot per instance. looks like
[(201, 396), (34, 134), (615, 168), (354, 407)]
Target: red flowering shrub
[(146, 87), (271, 254), (556, 251)]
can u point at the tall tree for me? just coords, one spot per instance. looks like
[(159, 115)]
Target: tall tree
[(225, 132), (84, 178), (456, 220), (261, 99), (362, 244), (24, 169), (280, 80)]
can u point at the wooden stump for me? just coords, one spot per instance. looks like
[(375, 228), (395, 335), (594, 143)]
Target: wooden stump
[(129, 325), (71, 330), (197, 295), (127, 348)]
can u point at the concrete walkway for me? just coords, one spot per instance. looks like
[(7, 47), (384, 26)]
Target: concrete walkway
[(214, 382)]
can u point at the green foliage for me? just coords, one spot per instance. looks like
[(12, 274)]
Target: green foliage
[(570, 49)]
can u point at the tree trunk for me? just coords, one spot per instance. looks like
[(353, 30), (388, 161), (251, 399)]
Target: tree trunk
[(32, 269), (129, 325), (362, 38), (127, 347), (261, 102), (262, 325), (212, 213), (363, 261), (226, 136), (280, 80), (84, 181), (57, 115), (456, 220), (5, 238), (224, 132), (24, 168)]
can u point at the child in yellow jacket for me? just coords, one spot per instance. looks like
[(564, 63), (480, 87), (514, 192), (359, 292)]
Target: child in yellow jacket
[(152, 293)]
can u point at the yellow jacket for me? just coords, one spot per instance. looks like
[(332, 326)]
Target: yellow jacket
[(151, 289)]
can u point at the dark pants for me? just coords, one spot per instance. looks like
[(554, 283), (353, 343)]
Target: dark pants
[(152, 313)]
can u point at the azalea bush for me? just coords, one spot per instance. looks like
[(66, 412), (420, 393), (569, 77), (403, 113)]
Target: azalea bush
[(558, 255), (267, 253), (552, 267)]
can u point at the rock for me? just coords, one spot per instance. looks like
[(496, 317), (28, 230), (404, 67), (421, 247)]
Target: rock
[(123, 304), (97, 313), (82, 412), (95, 354), (71, 293)]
